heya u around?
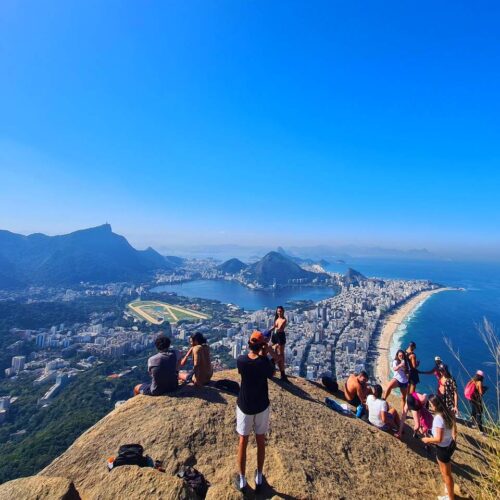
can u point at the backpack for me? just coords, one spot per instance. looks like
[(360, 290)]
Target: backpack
[(195, 481), (330, 383), (470, 389), (228, 385), (129, 454)]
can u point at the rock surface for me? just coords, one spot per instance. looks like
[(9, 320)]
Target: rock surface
[(312, 451), (39, 487)]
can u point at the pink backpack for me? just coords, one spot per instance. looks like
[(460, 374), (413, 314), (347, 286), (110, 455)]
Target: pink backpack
[(470, 389)]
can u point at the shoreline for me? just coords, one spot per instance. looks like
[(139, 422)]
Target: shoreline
[(390, 325)]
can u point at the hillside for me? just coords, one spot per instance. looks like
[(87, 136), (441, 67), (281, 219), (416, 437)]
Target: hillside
[(312, 452), (279, 267), (96, 255), (353, 277), (232, 266)]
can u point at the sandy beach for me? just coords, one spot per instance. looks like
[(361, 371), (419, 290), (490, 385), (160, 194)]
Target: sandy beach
[(391, 324)]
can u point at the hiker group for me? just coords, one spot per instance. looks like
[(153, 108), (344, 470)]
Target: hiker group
[(438, 428), (434, 416)]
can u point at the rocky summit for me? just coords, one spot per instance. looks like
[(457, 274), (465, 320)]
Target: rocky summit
[(312, 452)]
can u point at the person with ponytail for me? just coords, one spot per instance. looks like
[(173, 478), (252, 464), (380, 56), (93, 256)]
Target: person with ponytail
[(442, 438)]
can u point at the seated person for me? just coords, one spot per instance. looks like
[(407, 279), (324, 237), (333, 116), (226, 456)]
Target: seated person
[(163, 368), (379, 413), (356, 389), (202, 366)]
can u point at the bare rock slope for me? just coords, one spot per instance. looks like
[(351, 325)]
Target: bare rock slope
[(312, 452)]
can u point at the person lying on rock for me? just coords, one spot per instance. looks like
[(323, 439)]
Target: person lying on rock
[(163, 368)]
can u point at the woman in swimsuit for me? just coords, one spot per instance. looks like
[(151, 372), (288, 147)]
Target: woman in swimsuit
[(278, 339), (400, 379)]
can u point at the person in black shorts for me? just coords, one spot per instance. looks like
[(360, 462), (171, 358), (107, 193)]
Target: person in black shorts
[(278, 339), (413, 378), (442, 438)]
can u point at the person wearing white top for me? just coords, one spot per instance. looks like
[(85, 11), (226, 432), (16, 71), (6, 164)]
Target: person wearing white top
[(442, 437), (379, 413), (400, 379)]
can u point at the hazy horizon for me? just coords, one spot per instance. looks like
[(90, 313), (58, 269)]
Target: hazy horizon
[(188, 123)]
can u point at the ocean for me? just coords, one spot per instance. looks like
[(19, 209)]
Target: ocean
[(453, 315)]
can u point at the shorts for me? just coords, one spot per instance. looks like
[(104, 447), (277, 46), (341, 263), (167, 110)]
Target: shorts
[(246, 423), (444, 454), (402, 385), (278, 338), (413, 377), (145, 389), (355, 401)]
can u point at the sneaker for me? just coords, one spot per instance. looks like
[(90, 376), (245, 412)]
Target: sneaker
[(237, 484), (258, 486), (443, 497)]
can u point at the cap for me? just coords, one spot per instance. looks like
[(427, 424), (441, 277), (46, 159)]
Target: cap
[(266, 334), (480, 372), (257, 338), (437, 358)]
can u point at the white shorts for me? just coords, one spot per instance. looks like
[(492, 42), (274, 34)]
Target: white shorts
[(245, 424)]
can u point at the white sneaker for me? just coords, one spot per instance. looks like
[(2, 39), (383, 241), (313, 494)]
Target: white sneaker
[(444, 497)]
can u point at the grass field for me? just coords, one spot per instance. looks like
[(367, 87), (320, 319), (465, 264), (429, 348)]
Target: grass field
[(157, 312)]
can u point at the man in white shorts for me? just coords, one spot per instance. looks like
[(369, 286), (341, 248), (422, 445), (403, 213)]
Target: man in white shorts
[(252, 410)]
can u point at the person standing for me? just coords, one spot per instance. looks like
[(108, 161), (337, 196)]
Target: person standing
[(400, 379), (476, 399), (278, 339), (252, 409), (442, 430), (448, 393), (413, 378)]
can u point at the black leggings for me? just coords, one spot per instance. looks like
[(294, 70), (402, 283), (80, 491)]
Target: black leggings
[(476, 407)]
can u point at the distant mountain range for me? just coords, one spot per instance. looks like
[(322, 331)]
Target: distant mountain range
[(276, 267), (94, 255)]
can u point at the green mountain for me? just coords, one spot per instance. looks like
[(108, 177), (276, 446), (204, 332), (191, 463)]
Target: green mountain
[(353, 277), (232, 266), (280, 268), (95, 255)]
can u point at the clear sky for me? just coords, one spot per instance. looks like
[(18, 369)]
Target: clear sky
[(246, 122)]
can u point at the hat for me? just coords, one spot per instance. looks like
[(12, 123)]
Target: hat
[(437, 358), (266, 334), (257, 338), (480, 372)]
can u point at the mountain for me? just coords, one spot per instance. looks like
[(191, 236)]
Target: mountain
[(275, 266), (96, 255), (353, 277), (232, 266), (332, 456)]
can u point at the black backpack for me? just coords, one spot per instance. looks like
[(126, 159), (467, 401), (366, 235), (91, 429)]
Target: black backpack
[(131, 454), (228, 385), (195, 481), (330, 383)]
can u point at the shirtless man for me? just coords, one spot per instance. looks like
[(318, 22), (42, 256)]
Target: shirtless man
[(356, 389)]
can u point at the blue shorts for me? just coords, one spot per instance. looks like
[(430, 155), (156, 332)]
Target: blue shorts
[(145, 389), (402, 385)]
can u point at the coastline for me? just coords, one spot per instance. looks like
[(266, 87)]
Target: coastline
[(390, 326)]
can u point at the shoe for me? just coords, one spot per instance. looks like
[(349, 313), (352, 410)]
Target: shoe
[(284, 378), (443, 497), (236, 483), (258, 486)]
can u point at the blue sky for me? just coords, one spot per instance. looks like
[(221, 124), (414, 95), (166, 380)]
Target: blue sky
[(253, 122)]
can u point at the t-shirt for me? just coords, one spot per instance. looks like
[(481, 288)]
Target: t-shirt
[(254, 395), (163, 370), (375, 406), (400, 375), (202, 366), (438, 423)]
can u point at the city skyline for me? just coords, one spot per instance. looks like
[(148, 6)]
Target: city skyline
[(236, 123)]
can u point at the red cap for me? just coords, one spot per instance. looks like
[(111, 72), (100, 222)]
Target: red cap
[(257, 338)]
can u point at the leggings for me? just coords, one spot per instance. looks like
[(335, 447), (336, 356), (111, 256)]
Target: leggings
[(476, 406)]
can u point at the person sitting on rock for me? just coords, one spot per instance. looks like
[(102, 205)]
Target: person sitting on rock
[(202, 367), (163, 368), (356, 389), (380, 414), (252, 409)]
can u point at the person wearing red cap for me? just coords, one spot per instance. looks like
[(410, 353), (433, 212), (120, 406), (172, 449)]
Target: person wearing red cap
[(252, 410)]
